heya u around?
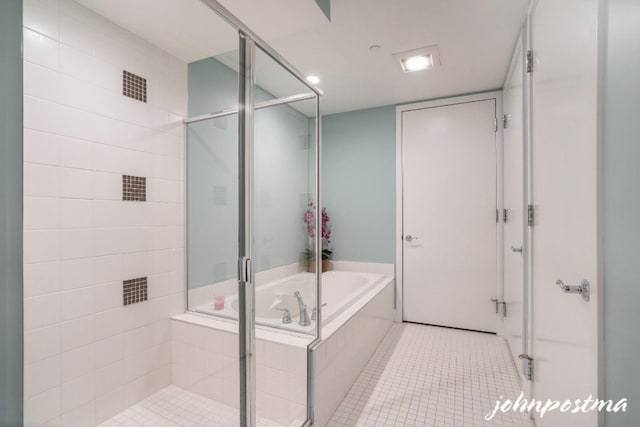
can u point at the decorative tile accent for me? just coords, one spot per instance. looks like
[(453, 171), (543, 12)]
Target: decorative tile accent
[(134, 188), (219, 195), (220, 271), (134, 86), (134, 290), (305, 142)]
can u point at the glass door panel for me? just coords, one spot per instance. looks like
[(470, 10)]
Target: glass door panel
[(212, 216), (284, 177)]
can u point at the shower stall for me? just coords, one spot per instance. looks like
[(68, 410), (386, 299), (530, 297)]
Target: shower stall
[(170, 157), (171, 177)]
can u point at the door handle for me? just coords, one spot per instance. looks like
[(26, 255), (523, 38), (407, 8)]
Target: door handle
[(583, 289), (514, 249), (409, 238)]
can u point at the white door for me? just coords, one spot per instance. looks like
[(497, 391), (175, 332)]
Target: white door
[(514, 297), (449, 215), (564, 158)]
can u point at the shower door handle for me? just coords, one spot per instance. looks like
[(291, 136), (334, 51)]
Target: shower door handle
[(409, 238), (244, 269)]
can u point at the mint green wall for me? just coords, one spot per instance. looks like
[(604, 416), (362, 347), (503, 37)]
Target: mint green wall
[(325, 7), (212, 87), (282, 159), (359, 183), (622, 211), (11, 342), (212, 175)]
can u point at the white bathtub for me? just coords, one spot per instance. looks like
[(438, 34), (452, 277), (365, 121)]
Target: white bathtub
[(358, 314), (339, 290)]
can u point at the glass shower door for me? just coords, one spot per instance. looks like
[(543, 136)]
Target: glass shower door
[(284, 193), (251, 174)]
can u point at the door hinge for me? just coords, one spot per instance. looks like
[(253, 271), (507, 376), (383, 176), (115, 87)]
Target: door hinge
[(505, 215), (497, 216), (529, 61), (505, 120), (498, 304), (528, 367), (530, 215), (495, 124)]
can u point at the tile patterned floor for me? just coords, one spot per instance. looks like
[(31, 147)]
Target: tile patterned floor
[(173, 406), (432, 376), (420, 376)]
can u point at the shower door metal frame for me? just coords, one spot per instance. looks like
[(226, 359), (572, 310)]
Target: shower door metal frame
[(246, 275), (249, 41), (257, 106)]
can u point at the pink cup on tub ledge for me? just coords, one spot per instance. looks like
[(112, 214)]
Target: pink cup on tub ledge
[(218, 302)]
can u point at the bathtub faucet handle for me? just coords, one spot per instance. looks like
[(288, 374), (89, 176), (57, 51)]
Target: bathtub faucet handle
[(314, 313), (286, 316)]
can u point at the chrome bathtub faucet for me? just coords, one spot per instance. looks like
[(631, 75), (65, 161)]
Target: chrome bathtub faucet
[(286, 316), (304, 316)]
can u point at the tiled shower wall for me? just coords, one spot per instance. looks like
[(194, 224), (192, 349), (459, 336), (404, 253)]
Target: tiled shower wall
[(86, 355)]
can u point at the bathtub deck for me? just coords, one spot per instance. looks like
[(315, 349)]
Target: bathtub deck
[(431, 376)]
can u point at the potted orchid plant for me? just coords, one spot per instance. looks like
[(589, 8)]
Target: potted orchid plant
[(310, 224)]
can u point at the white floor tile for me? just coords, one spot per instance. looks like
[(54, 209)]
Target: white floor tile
[(431, 376), (419, 376), (173, 406)]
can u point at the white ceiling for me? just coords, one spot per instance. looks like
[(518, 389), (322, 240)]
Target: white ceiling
[(475, 39)]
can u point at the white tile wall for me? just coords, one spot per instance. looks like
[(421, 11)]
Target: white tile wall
[(205, 362), (364, 267), (86, 356), (340, 357)]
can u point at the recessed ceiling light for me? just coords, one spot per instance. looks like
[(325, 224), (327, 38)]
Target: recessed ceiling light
[(314, 80), (417, 63), (418, 59)]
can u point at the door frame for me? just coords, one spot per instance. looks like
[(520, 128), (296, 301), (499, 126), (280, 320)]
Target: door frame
[(519, 54), (441, 102)]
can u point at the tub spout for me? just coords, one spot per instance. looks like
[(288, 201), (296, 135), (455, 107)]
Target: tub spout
[(304, 316), (298, 296)]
